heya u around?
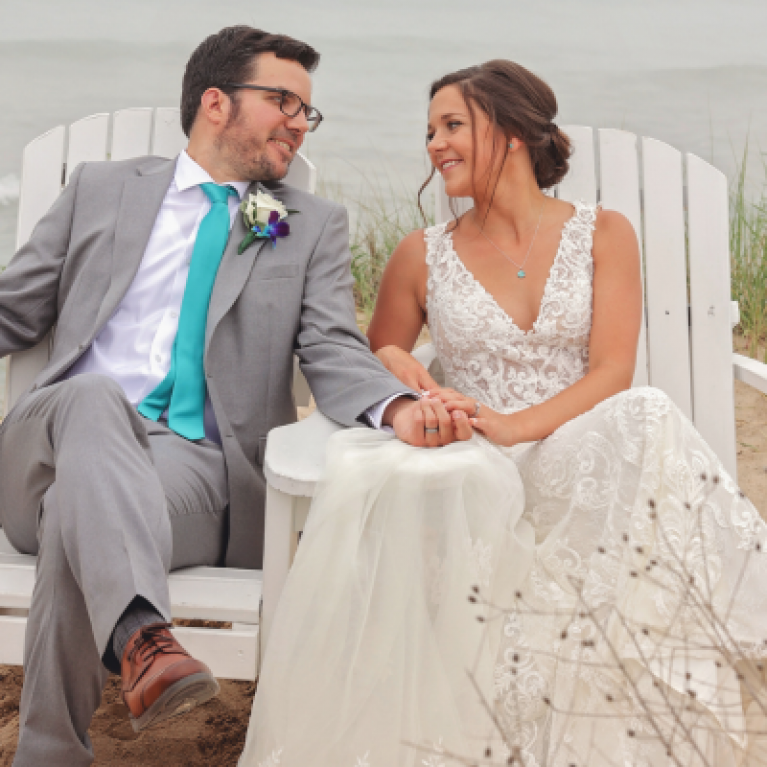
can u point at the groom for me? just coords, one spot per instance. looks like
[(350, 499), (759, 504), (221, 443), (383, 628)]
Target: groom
[(139, 448)]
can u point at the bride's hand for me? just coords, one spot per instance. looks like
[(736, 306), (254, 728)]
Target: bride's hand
[(495, 426), (406, 367), (453, 400)]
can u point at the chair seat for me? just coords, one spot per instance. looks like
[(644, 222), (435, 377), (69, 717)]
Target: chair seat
[(205, 593)]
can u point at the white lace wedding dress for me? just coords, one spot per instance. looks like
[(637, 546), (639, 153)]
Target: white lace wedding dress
[(616, 570)]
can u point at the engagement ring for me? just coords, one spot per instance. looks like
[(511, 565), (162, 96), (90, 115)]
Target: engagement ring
[(431, 431)]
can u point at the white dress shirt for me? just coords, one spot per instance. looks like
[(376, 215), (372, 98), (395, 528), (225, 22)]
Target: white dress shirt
[(134, 347)]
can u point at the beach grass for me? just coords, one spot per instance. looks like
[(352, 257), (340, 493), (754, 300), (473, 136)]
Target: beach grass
[(381, 215), (748, 252)]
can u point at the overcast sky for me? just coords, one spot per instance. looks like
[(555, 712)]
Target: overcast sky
[(592, 33)]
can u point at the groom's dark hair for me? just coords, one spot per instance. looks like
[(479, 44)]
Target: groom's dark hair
[(229, 56)]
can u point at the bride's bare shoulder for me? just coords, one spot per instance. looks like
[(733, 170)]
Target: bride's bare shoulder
[(410, 255), (614, 238)]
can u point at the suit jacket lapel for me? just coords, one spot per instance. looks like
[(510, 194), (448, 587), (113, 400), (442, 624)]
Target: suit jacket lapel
[(233, 272), (141, 200)]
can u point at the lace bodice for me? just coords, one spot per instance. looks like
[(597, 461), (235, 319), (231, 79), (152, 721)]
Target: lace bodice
[(484, 354)]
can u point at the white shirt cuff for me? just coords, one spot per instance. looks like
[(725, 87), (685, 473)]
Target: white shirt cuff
[(374, 414)]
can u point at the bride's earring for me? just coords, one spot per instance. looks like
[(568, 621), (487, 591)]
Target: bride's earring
[(511, 145)]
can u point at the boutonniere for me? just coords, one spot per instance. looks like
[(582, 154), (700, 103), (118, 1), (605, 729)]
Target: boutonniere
[(263, 216)]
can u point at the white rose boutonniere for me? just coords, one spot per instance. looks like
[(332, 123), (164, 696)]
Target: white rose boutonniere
[(263, 215)]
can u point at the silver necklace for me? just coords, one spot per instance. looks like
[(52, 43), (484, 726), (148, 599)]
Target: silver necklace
[(521, 273)]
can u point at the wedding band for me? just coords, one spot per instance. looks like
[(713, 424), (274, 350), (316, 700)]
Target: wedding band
[(431, 431), (476, 410)]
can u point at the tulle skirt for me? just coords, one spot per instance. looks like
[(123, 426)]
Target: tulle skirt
[(376, 655), (597, 598)]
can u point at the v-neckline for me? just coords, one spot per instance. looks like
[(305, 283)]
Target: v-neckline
[(546, 287)]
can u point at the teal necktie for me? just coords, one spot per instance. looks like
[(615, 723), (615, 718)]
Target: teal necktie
[(182, 392)]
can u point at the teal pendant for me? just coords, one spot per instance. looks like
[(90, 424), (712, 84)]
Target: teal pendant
[(521, 273)]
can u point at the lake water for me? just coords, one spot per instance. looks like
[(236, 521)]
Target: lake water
[(691, 73)]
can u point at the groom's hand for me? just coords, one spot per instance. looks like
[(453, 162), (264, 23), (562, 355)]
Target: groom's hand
[(425, 422)]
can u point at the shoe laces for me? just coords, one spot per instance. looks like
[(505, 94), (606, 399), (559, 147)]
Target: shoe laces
[(152, 641)]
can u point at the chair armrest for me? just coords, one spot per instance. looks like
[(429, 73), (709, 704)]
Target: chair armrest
[(734, 313), (425, 354), (750, 372), (295, 454)]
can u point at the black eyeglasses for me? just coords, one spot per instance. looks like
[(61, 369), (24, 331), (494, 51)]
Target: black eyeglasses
[(290, 103)]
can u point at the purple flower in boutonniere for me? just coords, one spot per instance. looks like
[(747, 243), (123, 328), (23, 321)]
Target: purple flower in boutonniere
[(274, 229), (263, 216)]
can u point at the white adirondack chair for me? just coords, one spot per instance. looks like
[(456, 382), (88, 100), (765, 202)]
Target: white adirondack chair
[(685, 347), (214, 594)]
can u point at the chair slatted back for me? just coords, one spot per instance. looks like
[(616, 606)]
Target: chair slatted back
[(48, 163), (713, 386), (666, 272), (131, 133), (87, 141), (581, 181), (619, 190), (685, 346)]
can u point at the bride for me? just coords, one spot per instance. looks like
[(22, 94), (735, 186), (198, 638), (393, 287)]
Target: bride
[(578, 581)]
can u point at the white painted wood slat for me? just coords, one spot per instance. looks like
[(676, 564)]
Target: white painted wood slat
[(207, 593), (167, 137), (17, 574), (580, 183), (41, 170), (216, 594), (302, 174), (87, 141), (712, 375), (229, 654), (750, 371), (12, 630), (666, 273), (131, 130), (619, 185)]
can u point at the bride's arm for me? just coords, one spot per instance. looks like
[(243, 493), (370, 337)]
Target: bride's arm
[(617, 313), (400, 313)]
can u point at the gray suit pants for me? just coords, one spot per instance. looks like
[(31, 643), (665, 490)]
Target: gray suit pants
[(110, 502)]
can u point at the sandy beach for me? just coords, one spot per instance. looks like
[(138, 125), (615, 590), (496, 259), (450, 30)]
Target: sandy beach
[(215, 733)]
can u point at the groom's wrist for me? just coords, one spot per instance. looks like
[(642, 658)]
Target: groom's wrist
[(394, 407)]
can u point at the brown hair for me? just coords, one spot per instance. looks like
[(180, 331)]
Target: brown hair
[(229, 57), (520, 105)]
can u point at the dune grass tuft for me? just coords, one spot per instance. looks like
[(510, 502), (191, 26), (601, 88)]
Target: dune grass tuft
[(381, 215), (748, 252)]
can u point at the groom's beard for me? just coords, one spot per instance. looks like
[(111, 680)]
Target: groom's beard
[(247, 154)]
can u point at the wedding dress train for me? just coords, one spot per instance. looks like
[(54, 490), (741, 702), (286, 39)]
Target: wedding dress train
[(595, 598)]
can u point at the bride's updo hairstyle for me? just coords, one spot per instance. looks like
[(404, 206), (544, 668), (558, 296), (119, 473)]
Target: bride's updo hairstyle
[(519, 105)]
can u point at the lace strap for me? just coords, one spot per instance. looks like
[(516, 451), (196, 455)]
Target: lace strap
[(434, 237), (578, 232), (585, 214)]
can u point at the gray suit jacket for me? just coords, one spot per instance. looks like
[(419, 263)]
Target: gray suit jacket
[(267, 303)]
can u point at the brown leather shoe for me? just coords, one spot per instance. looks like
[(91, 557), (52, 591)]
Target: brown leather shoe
[(160, 679)]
